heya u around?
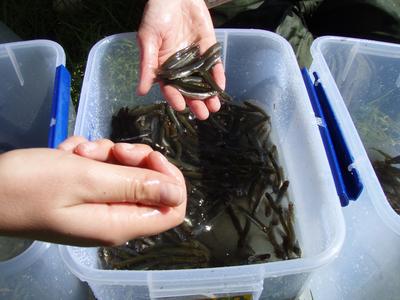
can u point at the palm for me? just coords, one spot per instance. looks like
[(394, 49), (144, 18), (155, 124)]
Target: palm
[(167, 28)]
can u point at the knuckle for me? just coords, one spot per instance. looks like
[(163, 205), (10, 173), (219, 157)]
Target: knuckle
[(130, 190), (148, 189), (141, 189)]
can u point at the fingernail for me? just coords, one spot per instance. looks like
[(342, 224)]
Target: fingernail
[(171, 194), (87, 147)]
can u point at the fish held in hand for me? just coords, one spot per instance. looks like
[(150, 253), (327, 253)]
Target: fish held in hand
[(190, 73)]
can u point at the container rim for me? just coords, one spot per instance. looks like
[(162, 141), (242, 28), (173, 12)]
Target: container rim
[(377, 196), (270, 269), (392, 49), (60, 54)]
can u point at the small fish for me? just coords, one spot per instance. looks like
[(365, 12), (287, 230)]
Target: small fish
[(195, 95), (189, 72), (259, 258), (182, 57)]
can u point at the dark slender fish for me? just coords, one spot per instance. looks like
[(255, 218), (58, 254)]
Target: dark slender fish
[(182, 57), (282, 191), (195, 95), (259, 258)]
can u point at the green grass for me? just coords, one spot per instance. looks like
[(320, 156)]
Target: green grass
[(76, 28)]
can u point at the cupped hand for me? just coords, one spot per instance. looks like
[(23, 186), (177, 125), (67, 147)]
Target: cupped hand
[(168, 26), (114, 194)]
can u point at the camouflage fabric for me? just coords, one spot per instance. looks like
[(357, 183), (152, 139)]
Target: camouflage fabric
[(300, 21)]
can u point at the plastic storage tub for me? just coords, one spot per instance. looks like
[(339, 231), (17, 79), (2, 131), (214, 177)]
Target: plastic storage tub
[(259, 65), (39, 273), (31, 116), (360, 76), (28, 72)]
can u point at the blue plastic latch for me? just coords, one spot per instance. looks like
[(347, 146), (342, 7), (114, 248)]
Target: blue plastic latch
[(60, 107), (341, 161)]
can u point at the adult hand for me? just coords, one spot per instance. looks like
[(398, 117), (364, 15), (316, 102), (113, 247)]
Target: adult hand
[(168, 26), (59, 196)]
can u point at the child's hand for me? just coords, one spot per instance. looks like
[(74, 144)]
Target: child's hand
[(119, 192)]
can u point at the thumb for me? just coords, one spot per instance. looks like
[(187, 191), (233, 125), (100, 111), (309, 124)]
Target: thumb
[(148, 61), (108, 183)]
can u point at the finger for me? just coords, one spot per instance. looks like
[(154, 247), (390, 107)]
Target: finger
[(219, 75), (158, 162), (131, 154), (199, 108), (148, 61), (70, 143), (173, 96), (157, 220), (101, 182), (100, 150), (123, 221), (213, 104)]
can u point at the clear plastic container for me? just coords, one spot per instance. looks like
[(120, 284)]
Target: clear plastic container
[(259, 65), (38, 273), (362, 81), (27, 71)]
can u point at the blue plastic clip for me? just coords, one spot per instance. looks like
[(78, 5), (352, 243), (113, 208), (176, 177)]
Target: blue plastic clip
[(60, 107), (347, 180)]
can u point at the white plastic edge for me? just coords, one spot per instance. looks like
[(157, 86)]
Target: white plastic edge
[(60, 54), (378, 198)]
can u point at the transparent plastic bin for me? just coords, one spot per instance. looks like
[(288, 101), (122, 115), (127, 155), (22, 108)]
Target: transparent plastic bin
[(359, 76), (259, 65), (28, 72), (39, 273)]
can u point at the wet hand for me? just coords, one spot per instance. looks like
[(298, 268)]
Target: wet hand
[(114, 194), (168, 26)]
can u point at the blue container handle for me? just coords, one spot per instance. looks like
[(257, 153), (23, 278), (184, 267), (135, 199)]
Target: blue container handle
[(346, 176), (60, 107)]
